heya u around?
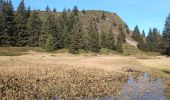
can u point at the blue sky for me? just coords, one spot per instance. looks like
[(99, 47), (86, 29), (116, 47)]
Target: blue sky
[(144, 13)]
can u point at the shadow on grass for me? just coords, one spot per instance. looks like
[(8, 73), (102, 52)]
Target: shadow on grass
[(166, 71)]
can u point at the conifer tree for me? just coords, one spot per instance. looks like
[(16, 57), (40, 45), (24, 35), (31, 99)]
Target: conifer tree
[(103, 39), (54, 10), (21, 25), (119, 46), (103, 15), (153, 40), (143, 34), (110, 41), (63, 28), (75, 34), (50, 36), (83, 11), (7, 24), (47, 9), (34, 28), (94, 41), (136, 34), (1, 29), (75, 10), (28, 12), (165, 44)]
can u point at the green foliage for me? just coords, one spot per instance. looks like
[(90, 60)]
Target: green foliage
[(47, 9), (7, 24), (94, 40), (165, 45), (63, 28), (103, 15), (21, 25), (153, 40), (75, 34), (136, 34), (75, 10), (54, 10), (34, 28), (83, 11), (103, 40), (119, 46), (110, 41), (50, 36), (50, 43)]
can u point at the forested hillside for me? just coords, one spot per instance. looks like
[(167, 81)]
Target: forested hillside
[(73, 29)]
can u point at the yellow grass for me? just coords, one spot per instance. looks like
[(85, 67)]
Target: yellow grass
[(52, 74)]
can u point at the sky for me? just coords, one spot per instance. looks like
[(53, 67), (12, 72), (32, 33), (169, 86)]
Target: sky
[(144, 13)]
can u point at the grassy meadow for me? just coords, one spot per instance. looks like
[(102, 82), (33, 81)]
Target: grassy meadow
[(29, 73)]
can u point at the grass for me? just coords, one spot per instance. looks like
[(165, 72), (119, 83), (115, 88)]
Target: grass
[(17, 51), (132, 51), (40, 74)]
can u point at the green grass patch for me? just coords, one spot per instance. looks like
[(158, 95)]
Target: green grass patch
[(17, 51), (131, 50)]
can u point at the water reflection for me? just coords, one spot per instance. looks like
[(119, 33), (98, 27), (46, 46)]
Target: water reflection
[(143, 89)]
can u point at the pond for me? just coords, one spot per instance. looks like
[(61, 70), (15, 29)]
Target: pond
[(141, 89)]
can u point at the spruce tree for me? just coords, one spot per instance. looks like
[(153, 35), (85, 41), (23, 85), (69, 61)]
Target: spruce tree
[(119, 46), (21, 25), (1, 29), (50, 36), (103, 39), (7, 24), (83, 11), (75, 34), (142, 45), (63, 28), (136, 34), (34, 28), (94, 41), (110, 41), (1, 5), (103, 15), (47, 9), (165, 44), (153, 40), (75, 10), (54, 10), (143, 34)]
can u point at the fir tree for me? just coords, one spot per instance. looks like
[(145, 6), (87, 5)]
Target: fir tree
[(75, 35), (50, 36), (75, 10), (143, 34), (94, 41), (110, 41), (119, 46), (136, 34), (21, 25), (54, 10), (83, 11), (165, 44), (47, 9), (34, 29), (103, 39), (153, 40), (28, 11), (7, 38), (63, 28), (103, 15)]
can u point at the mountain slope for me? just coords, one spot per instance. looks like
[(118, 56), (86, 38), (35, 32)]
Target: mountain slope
[(111, 20)]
